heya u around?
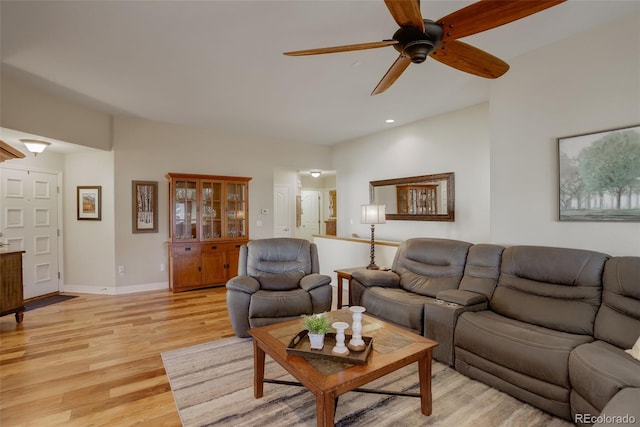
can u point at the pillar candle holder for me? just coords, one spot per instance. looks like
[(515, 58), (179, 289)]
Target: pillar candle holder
[(340, 348), (357, 343)]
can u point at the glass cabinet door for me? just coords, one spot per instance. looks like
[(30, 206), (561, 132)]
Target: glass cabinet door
[(236, 208), (211, 210), (186, 205)]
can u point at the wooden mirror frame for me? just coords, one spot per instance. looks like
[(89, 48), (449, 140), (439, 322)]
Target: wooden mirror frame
[(448, 177)]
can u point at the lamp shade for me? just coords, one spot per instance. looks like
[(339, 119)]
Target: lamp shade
[(373, 214)]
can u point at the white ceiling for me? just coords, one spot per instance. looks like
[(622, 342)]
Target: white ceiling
[(219, 64)]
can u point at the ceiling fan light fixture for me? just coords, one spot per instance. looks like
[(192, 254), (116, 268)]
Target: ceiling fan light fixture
[(417, 38), (35, 146), (418, 50)]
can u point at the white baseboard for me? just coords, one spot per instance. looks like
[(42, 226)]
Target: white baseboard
[(115, 290)]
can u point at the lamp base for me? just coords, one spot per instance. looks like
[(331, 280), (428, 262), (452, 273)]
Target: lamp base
[(372, 267)]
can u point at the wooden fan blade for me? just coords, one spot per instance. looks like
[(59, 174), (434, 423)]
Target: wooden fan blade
[(406, 13), (467, 58), (346, 48), (392, 74), (487, 14)]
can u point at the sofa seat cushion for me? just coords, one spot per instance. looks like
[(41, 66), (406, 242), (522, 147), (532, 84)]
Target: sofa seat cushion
[(280, 303), (397, 306), (531, 350), (599, 370)]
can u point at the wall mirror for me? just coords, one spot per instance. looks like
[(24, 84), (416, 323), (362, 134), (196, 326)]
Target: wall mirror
[(416, 198)]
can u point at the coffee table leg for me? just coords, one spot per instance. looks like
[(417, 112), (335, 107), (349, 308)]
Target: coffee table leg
[(258, 370), (424, 375), (325, 409)]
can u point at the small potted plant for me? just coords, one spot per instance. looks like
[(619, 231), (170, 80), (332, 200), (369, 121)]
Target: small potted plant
[(317, 325)]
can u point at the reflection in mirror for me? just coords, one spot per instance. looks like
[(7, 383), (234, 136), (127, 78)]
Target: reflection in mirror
[(416, 198)]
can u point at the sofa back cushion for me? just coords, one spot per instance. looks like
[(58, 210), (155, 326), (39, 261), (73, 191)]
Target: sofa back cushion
[(279, 263), (557, 288), (482, 269), (618, 319), (427, 266)]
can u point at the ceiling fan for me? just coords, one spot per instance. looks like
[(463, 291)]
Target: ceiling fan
[(418, 38)]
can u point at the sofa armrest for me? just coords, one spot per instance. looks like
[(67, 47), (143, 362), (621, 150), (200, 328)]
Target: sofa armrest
[(621, 409), (246, 284), (440, 319), (312, 281), (385, 279), (464, 298)]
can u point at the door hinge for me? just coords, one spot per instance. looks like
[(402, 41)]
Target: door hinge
[(58, 275), (58, 232)]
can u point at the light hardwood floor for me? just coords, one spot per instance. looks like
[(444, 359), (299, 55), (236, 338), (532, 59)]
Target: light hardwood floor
[(95, 360)]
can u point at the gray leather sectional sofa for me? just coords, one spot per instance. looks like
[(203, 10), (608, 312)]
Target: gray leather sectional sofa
[(546, 325)]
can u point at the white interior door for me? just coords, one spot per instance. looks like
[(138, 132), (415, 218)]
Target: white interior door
[(310, 214), (29, 222), (281, 211)]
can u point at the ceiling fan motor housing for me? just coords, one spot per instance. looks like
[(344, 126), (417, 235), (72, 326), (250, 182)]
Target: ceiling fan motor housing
[(416, 44)]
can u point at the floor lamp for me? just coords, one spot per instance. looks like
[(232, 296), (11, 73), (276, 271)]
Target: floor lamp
[(373, 214)]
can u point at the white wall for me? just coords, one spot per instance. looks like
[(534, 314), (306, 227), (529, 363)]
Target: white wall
[(336, 253), (455, 142), (89, 246), (146, 150), (587, 83), (29, 109)]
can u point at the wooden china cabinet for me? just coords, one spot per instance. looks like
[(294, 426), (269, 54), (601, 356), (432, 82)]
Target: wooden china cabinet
[(208, 222), (417, 199)]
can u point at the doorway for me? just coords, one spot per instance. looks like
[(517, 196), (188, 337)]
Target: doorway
[(310, 220), (281, 211), (29, 209)]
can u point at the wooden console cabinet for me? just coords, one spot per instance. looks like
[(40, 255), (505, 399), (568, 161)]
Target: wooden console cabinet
[(208, 222), (11, 292)]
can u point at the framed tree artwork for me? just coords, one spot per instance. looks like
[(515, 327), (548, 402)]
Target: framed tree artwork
[(145, 206), (89, 201), (599, 176)]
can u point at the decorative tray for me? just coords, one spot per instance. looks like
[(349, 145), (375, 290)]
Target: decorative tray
[(300, 346)]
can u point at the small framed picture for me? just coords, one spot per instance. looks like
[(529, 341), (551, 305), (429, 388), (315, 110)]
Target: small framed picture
[(144, 203), (90, 203)]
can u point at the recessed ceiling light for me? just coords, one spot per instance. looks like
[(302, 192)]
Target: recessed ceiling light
[(389, 121)]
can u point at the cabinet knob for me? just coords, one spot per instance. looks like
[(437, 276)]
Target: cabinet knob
[(214, 247), (187, 249)]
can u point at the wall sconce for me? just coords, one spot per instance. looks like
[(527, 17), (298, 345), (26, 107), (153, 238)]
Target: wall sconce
[(373, 214), (315, 174), (35, 146)]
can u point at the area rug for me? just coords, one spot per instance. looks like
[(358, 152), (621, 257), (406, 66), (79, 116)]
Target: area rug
[(212, 385), (43, 302)]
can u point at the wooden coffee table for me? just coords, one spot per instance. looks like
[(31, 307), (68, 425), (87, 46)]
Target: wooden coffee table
[(393, 348)]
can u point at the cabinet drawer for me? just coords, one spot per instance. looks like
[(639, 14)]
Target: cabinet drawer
[(208, 248), (179, 250)]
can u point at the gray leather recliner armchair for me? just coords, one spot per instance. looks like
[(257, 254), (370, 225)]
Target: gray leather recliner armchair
[(278, 280)]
